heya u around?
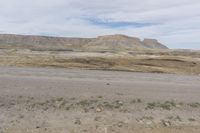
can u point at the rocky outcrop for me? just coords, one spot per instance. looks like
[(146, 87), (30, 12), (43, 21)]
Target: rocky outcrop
[(153, 43), (122, 42), (108, 42)]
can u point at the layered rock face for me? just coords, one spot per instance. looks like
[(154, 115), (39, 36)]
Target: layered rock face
[(107, 42), (153, 43)]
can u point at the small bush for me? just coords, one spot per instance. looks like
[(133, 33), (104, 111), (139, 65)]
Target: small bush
[(191, 119), (136, 101), (194, 105), (166, 105), (151, 105)]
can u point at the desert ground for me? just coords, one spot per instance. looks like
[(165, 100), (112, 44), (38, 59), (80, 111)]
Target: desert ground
[(108, 84), (184, 62), (60, 100)]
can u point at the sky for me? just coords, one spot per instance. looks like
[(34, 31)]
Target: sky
[(175, 23)]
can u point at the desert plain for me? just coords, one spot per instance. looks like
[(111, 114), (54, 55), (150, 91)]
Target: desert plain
[(45, 100), (99, 89)]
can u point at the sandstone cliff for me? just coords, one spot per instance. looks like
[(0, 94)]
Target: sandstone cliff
[(107, 42)]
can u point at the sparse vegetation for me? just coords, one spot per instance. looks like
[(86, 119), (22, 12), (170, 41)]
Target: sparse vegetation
[(166, 123), (107, 105), (136, 101), (139, 100), (113, 105), (167, 105), (165, 62), (175, 118), (147, 118), (191, 119), (77, 121), (151, 105), (178, 118), (100, 97), (194, 105), (100, 105)]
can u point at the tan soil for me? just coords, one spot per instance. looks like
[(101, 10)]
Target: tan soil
[(44, 100)]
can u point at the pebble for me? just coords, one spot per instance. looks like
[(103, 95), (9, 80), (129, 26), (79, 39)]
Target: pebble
[(166, 123), (98, 109)]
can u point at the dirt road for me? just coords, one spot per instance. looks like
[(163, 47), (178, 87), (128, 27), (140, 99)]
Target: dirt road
[(81, 83), (69, 100)]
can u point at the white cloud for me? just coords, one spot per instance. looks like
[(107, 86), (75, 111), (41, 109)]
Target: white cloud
[(176, 21)]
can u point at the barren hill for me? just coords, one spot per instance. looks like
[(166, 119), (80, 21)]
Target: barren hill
[(110, 52), (107, 42)]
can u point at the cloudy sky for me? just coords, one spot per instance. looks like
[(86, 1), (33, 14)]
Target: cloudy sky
[(175, 23)]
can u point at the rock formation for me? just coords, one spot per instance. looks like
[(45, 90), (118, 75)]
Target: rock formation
[(107, 42)]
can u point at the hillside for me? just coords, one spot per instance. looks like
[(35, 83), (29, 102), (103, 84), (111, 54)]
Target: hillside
[(110, 52), (107, 42)]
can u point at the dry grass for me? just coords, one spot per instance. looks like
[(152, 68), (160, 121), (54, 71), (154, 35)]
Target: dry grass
[(122, 61)]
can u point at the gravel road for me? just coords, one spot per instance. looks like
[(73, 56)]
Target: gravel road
[(46, 100)]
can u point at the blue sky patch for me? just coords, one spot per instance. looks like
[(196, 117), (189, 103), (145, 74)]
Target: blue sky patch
[(118, 24)]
